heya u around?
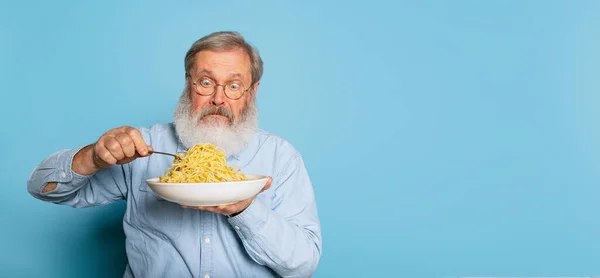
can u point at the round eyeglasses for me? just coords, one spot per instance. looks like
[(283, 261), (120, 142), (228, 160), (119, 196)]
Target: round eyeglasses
[(206, 87)]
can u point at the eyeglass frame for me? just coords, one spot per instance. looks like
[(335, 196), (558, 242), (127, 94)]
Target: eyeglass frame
[(218, 85)]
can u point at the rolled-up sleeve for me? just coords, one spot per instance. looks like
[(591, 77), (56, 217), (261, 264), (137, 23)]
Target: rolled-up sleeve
[(105, 186)]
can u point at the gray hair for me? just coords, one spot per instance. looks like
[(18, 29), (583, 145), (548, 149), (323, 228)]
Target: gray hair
[(223, 41)]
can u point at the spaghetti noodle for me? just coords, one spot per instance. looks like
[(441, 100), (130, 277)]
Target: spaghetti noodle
[(201, 163)]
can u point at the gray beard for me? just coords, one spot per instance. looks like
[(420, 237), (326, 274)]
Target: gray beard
[(232, 137)]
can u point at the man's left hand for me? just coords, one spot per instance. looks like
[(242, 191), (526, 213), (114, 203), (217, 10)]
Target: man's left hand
[(233, 208)]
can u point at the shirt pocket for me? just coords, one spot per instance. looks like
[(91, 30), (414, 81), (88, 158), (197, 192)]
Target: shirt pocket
[(159, 216)]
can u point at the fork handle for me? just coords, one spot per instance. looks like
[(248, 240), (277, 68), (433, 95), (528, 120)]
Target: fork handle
[(164, 153)]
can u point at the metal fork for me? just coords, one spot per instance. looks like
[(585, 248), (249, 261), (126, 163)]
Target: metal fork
[(173, 155)]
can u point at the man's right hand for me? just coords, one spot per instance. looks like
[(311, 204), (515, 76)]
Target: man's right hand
[(117, 146)]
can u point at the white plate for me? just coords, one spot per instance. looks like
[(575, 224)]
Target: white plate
[(209, 193)]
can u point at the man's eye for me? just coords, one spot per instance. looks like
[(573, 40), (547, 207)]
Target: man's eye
[(206, 83)]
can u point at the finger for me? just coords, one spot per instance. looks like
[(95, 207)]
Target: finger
[(126, 144), (113, 131), (189, 207), (138, 141), (114, 148), (267, 185), (104, 155), (227, 210), (237, 207), (210, 209)]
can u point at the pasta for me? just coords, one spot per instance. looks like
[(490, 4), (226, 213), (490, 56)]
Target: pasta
[(201, 163)]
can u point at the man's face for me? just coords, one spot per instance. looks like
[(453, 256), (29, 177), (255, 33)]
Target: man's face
[(229, 123), (211, 68)]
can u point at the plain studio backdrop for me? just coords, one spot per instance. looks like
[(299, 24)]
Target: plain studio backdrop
[(443, 138)]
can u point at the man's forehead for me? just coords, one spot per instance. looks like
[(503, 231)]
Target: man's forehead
[(209, 72), (234, 63)]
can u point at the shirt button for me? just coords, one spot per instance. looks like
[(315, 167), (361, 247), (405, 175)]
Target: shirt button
[(207, 240), (237, 228), (63, 174)]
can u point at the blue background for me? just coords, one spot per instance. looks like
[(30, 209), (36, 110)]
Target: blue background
[(444, 138)]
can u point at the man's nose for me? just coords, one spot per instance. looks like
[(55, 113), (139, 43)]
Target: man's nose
[(218, 97)]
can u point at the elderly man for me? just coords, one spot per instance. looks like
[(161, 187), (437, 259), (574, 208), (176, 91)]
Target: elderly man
[(275, 233)]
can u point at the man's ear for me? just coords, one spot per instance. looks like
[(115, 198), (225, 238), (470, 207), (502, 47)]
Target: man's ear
[(255, 88)]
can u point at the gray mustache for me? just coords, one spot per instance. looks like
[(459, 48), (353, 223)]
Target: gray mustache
[(217, 110)]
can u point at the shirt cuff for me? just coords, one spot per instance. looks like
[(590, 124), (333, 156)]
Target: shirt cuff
[(64, 169), (252, 220), (55, 168)]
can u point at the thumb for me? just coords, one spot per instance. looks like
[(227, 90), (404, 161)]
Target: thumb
[(267, 185), (148, 153)]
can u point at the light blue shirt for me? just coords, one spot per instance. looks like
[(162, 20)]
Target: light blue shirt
[(278, 235)]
